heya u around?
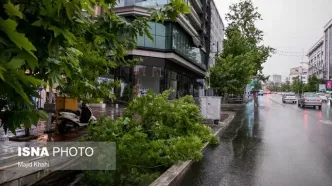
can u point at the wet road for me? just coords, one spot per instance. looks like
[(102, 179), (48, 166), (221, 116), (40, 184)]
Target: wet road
[(277, 144)]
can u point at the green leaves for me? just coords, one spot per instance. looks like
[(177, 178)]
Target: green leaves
[(170, 11), (15, 63), (9, 27), (243, 55), (152, 135), (12, 10)]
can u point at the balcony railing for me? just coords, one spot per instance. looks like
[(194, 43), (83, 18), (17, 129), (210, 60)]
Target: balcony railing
[(196, 19), (197, 5)]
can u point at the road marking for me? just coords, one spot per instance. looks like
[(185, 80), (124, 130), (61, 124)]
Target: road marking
[(328, 122)]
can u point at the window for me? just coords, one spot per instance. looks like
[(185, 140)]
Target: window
[(158, 32), (148, 78), (183, 44)]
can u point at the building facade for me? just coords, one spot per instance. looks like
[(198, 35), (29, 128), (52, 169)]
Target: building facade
[(276, 78), (316, 55), (328, 48), (298, 73), (179, 55), (217, 33)]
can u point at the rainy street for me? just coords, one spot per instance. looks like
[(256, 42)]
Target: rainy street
[(278, 144)]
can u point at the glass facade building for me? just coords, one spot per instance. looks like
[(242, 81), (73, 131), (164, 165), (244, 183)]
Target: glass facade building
[(170, 36), (184, 71)]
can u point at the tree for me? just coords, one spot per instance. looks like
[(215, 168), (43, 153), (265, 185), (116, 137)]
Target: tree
[(313, 84), (243, 41), (152, 135), (297, 85), (244, 15), (70, 48)]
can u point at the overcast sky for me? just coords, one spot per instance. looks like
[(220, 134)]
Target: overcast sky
[(289, 26)]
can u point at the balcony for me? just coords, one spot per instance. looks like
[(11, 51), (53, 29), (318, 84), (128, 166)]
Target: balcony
[(195, 18), (187, 26), (198, 5)]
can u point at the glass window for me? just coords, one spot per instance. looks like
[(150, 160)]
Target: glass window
[(183, 44), (140, 41), (148, 78), (148, 42), (160, 42), (160, 29), (152, 28)]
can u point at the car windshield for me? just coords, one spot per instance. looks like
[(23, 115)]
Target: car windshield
[(310, 95), (290, 95)]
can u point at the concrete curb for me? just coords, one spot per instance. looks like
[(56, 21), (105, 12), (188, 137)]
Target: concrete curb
[(175, 173), (233, 105)]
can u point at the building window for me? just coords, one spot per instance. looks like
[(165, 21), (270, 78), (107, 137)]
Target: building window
[(183, 44), (159, 35), (148, 78)]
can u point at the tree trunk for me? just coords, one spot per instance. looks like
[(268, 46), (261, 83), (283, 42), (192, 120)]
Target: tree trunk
[(27, 132), (255, 99)]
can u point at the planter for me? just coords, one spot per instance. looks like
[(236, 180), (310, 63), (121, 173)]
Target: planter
[(22, 138)]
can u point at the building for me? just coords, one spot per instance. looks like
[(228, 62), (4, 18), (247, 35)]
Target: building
[(217, 33), (298, 72), (276, 79), (317, 66), (179, 56), (328, 48)]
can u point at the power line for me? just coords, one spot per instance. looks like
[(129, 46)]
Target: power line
[(287, 52)]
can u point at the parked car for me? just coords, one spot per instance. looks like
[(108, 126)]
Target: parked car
[(289, 98), (323, 97), (310, 99), (260, 93)]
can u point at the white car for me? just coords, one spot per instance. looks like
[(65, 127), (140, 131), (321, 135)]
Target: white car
[(323, 97), (289, 98)]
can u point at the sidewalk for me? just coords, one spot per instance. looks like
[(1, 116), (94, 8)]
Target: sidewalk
[(8, 149)]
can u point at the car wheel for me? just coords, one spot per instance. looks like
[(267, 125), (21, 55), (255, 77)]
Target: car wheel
[(302, 105), (319, 107)]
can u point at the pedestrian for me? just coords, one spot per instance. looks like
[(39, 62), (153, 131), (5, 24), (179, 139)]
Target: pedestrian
[(42, 99)]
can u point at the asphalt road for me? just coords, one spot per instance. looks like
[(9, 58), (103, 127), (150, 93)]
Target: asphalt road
[(276, 144)]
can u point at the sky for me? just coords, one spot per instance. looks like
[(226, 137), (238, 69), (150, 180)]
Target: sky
[(289, 26)]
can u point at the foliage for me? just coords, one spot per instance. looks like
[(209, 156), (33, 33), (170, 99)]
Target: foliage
[(243, 54), (152, 135), (297, 85), (313, 84), (230, 75), (60, 44), (127, 93), (243, 16), (283, 87)]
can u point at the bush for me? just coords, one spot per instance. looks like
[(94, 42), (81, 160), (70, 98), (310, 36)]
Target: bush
[(152, 135)]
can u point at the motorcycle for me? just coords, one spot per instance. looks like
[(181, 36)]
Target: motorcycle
[(69, 119)]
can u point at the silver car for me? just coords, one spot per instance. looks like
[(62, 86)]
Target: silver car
[(289, 98), (310, 99)]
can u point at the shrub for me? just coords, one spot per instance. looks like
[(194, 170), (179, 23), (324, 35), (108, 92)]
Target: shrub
[(152, 135)]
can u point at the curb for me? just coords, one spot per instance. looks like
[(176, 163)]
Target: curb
[(175, 173)]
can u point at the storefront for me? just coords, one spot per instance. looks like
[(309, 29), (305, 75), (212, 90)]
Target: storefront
[(158, 75)]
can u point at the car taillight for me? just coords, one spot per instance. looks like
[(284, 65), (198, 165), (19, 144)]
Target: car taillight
[(306, 100), (319, 100)]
